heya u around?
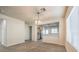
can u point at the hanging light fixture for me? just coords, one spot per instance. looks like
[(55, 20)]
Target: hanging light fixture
[(40, 12)]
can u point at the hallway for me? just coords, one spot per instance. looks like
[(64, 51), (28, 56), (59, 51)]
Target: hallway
[(30, 46)]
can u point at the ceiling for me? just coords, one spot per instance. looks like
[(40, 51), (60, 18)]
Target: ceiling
[(28, 13)]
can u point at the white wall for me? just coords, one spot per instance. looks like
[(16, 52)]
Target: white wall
[(27, 34), (73, 28), (15, 30), (3, 31), (0, 30), (34, 32)]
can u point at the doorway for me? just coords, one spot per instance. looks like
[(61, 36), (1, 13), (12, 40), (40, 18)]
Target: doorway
[(39, 33), (30, 32)]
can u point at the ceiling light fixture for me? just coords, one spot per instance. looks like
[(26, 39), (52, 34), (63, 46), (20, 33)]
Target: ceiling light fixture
[(40, 12)]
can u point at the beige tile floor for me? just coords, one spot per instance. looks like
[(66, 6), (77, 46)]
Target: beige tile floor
[(30, 46)]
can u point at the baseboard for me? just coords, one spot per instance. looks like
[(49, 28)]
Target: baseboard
[(9, 45), (56, 42), (69, 47), (53, 43)]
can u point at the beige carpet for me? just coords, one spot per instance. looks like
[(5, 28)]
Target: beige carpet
[(30, 46)]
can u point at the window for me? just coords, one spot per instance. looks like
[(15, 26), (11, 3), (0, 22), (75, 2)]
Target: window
[(73, 28), (46, 31), (54, 30), (50, 29)]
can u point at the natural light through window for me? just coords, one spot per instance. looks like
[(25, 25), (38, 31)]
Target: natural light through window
[(54, 30), (46, 31), (51, 29)]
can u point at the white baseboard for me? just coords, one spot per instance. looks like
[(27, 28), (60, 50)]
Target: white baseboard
[(69, 47)]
